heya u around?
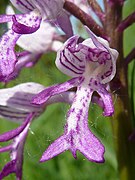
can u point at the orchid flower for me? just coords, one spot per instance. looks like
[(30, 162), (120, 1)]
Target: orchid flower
[(92, 64), (34, 14), (8, 41), (51, 10), (15, 106), (44, 40), (16, 148)]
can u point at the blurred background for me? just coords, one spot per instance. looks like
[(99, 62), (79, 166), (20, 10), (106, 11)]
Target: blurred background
[(49, 125)]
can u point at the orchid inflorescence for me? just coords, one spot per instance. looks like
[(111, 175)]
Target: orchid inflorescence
[(91, 63)]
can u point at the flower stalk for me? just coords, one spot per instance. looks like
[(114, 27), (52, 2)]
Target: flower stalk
[(127, 22), (130, 57)]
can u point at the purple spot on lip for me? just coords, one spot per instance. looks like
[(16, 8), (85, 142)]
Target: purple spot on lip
[(83, 104), (88, 95), (70, 111), (96, 83)]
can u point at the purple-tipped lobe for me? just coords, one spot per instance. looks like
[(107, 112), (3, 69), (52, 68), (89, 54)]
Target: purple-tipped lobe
[(77, 136)]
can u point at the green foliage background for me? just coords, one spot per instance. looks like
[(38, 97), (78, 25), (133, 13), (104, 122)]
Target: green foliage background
[(49, 125)]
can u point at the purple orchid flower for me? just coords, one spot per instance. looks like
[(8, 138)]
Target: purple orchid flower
[(34, 13), (33, 51), (16, 148), (15, 105), (8, 42), (92, 64), (49, 10)]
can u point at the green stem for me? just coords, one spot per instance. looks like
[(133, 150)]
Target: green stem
[(121, 121), (132, 92)]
